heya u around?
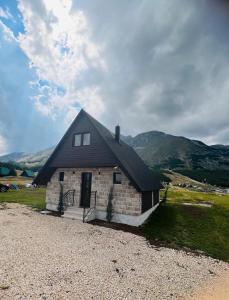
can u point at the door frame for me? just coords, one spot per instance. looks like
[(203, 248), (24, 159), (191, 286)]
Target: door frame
[(83, 189)]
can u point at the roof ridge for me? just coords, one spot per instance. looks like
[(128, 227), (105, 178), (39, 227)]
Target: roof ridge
[(94, 121)]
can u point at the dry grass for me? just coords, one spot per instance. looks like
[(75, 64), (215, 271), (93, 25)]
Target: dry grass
[(19, 180)]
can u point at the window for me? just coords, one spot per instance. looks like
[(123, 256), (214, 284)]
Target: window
[(61, 176), (86, 139), (82, 139), (77, 140), (117, 178)]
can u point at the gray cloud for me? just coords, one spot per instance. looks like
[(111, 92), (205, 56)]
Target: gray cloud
[(167, 65)]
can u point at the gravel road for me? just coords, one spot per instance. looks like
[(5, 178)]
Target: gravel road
[(46, 257)]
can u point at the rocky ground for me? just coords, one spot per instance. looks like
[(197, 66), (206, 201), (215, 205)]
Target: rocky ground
[(46, 257)]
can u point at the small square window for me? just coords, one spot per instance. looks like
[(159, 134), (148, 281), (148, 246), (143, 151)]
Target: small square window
[(61, 176), (117, 178), (86, 139), (77, 140)]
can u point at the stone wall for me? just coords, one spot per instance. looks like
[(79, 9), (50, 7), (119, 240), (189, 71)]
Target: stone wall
[(126, 198)]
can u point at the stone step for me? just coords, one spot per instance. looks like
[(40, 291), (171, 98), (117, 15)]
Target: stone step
[(76, 213), (73, 212)]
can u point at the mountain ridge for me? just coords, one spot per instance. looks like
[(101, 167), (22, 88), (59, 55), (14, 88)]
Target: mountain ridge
[(158, 150)]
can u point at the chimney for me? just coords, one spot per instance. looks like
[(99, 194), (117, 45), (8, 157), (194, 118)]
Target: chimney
[(117, 133)]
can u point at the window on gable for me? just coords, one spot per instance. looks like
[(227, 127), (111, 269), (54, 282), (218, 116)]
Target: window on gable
[(82, 139), (61, 176), (86, 139), (77, 140), (117, 178)]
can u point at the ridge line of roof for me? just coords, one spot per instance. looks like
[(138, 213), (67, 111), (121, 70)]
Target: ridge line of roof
[(94, 121)]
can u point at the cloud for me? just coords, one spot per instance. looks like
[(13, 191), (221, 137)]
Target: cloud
[(168, 65), (5, 13), (147, 65), (7, 33), (22, 127), (58, 44)]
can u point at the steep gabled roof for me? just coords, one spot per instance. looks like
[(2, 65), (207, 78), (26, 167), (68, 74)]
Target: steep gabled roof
[(28, 173), (128, 159), (123, 155)]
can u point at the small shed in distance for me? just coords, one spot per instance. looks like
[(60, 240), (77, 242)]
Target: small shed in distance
[(28, 173)]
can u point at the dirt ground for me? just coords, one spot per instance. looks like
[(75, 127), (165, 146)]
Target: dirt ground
[(47, 257), (216, 289)]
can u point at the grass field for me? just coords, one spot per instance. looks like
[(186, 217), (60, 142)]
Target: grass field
[(31, 197), (194, 227)]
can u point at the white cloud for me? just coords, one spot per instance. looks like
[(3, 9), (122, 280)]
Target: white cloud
[(5, 13), (58, 43), (7, 33), (3, 145), (160, 66)]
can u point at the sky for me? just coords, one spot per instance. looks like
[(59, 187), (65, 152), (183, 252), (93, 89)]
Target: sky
[(145, 65)]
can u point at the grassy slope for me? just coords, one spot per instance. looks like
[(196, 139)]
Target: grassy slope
[(34, 198), (202, 228)]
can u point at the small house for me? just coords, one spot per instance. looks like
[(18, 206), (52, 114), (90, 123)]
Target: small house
[(93, 173), (28, 173)]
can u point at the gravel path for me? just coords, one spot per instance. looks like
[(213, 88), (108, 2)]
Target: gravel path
[(45, 257)]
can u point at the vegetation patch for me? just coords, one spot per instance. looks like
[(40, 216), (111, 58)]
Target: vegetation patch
[(31, 197), (197, 228)]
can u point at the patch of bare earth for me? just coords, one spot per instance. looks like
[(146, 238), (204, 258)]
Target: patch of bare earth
[(46, 257), (216, 289)]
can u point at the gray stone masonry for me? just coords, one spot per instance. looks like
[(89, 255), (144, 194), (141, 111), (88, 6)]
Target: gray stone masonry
[(127, 200)]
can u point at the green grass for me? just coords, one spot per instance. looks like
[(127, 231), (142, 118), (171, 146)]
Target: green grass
[(34, 198), (194, 227)]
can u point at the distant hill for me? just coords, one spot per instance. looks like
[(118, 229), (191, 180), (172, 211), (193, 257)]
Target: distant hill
[(165, 151), (12, 156), (28, 160), (159, 150), (35, 159)]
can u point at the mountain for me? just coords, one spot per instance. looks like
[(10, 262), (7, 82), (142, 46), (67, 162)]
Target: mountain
[(12, 156), (166, 151), (157, 149), (28, 159)]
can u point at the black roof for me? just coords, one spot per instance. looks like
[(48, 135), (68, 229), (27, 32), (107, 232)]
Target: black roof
[(114, 154)]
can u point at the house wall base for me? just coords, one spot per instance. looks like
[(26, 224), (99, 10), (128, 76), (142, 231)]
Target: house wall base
[(126, 219), (52, 207)]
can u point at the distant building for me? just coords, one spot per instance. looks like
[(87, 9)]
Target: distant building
[(4, 171), (28, 173), (92, 171)]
